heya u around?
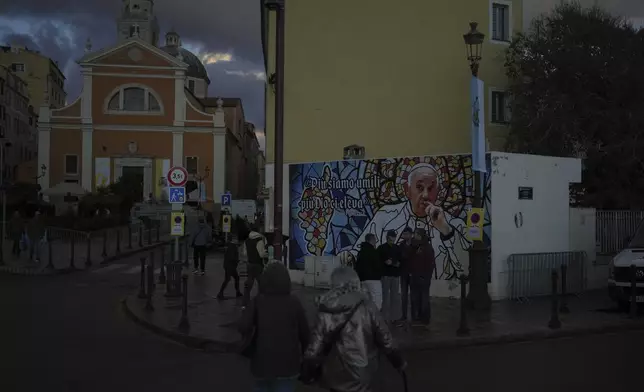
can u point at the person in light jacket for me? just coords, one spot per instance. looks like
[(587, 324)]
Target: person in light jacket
[(200, 242), (349, 334), (256, 254), (281, 332)]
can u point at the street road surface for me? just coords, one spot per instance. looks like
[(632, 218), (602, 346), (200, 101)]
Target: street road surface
[(67, 333)]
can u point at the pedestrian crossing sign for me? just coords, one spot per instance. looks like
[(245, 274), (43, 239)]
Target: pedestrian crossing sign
[(177, 195)]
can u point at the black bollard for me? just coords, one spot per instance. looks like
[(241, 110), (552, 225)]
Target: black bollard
[(463, 329), (148, 303), (554, 322), (563, 306), (104, 253), (162, 272), (88, 260), (158, 231), (50, 257), (72, 250), (633, 308), (118, 240), (129, 236), (152, 265), (184, 324), (185, 251), (173, 280), (142, 282), (150, 233), (141, 236)]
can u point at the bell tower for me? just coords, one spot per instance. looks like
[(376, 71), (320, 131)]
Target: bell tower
[(137, 20)]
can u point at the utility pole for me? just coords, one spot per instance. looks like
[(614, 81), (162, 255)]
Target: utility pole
[(278, 7)]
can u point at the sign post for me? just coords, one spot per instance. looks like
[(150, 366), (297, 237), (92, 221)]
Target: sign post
[(177, 178), (226, 220)]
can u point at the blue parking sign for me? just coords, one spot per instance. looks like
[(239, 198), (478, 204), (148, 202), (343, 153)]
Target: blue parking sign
[(177, 195), (225, 199)]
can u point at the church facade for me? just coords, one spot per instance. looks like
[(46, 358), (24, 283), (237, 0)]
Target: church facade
[(139, 113)]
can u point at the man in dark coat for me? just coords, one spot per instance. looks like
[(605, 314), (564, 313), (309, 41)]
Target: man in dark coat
[(369, 268), (231, 261), (390, 256), (421, 269)]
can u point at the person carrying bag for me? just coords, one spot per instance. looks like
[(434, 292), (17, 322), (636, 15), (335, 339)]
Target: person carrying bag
[(348, 337)]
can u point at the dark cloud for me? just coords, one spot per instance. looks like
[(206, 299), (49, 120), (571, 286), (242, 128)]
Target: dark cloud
[(59, 29)]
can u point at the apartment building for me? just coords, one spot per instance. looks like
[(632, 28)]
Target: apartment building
[(43, 76), (17, 125)]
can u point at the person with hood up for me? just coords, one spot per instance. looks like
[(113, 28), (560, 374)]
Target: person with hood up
[(200, 242), (256, 255), (349, 334), (370, 267), (421, 268), (280, 332)]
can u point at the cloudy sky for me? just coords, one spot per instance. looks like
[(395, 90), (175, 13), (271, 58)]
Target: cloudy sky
[(224, 33)]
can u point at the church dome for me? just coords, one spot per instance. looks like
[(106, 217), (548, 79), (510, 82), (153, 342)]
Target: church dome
[(173, 47)]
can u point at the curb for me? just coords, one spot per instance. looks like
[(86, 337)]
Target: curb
[(187, 340), (533, 336), (25, 271)]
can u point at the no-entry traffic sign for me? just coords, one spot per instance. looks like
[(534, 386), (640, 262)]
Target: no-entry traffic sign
[(177, 176)]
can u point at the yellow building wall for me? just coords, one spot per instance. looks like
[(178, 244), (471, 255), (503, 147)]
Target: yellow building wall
[(392, 78), (38, 74)]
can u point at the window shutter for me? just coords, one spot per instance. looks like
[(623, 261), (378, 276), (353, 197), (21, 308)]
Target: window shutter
[(508, 108), (495, 21)]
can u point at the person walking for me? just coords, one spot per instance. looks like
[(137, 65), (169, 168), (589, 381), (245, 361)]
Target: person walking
[(36, 234), (231, 261), (349, 335), (421, 268), (200, 242), (369, 268), (277, 331), (256, 254), (390, 256), (406, 252), (16, 232)]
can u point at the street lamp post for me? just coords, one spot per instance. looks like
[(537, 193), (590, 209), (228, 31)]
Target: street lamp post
[(200, 180), (478, 296), (278, 7), (4, 199)]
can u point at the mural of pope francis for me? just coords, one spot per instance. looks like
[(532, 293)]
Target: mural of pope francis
[(422, 210)]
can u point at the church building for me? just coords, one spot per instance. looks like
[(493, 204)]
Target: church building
[(139, 113)]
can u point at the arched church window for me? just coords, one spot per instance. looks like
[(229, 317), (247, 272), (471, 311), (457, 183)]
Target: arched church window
[(115, 102), (134, 31), (134, 99)]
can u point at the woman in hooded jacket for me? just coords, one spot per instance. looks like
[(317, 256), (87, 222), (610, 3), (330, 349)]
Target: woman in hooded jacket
[(349, 334), (281, 332)]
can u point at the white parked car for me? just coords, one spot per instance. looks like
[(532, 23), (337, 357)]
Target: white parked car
[(619, 280)]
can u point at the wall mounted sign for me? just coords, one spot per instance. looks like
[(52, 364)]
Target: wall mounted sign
[(525, 193)]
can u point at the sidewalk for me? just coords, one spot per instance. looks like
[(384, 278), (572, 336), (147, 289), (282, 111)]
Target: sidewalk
[(61, 252), (212, 321)]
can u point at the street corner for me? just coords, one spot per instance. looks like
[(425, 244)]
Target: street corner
[(200, 329)]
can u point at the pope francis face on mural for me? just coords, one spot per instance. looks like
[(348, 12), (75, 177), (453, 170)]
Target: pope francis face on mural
[(421, 189)]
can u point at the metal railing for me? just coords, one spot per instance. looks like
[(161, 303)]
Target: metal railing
[(613, 229), (530, 273)]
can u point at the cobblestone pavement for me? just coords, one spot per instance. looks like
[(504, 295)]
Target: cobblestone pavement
[(211, 319), (66, 333)]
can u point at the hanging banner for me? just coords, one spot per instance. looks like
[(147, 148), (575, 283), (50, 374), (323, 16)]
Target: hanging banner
[(102, 172), (477, 94)]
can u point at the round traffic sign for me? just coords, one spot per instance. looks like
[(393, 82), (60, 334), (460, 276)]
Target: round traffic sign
[(476, 218), (177, 176)]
